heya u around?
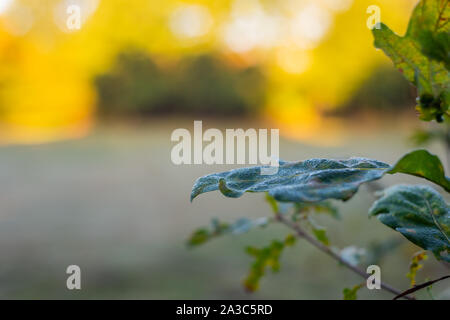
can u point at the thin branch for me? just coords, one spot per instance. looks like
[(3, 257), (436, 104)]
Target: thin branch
[(419, 287), (306, 236)]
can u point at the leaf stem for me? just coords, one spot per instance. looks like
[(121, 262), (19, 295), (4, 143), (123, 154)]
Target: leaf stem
[(306, 236)]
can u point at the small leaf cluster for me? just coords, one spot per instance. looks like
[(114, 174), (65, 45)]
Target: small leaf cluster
[(267, 257), (218, 228)]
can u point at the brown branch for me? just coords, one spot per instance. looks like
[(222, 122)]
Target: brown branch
[(419, 287), (306, 236)]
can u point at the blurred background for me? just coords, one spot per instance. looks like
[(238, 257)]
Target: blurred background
[(85, 122)]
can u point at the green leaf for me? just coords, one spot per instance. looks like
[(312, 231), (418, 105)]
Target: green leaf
[(325, 207), (319, 232), (422, 55), (430, 26), (405, 55), (218, 228), (436, 46), (199, 237), (204, 235), (273, 203), (420, 214), (307, 181), (423, 164), (290, 240), (267, 257), (351, 294)]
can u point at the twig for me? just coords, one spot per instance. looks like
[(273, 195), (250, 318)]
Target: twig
[(306, 236), (419, 287)]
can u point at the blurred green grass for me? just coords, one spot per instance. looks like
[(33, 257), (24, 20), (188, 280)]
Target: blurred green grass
[(114, 204)]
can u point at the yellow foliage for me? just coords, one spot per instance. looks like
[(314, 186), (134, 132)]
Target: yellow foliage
[(415, 266), (46, 70)]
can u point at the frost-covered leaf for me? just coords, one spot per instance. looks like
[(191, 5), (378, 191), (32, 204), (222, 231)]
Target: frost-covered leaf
[(244, 225), (309, 183), (306, 181), (422, 55), (378, 250), (267, 257), (423, 164), (353, 255), (420, 214)]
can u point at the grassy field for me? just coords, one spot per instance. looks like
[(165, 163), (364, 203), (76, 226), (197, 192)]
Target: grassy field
[(114, 204)]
